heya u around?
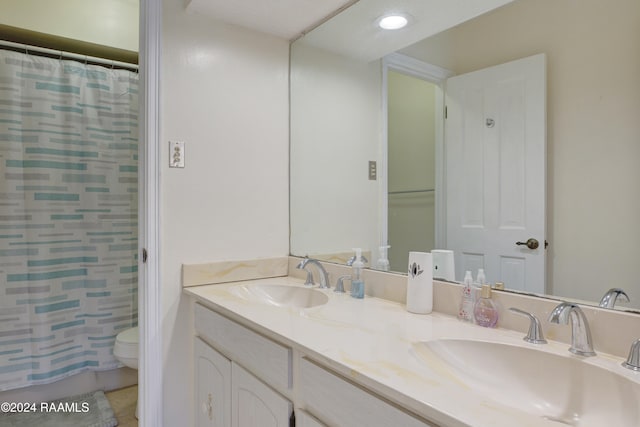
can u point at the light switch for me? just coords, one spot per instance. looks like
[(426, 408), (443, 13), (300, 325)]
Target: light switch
[(176, 154), (373, 170)]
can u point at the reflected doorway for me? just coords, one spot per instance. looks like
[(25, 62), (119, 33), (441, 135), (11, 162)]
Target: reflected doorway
[(411, 167)]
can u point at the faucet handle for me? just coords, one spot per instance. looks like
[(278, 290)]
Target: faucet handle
[(535, 335), (633, 360), (340, 285)]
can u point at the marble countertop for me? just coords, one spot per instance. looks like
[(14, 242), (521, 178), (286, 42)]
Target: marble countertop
[(371, 341)]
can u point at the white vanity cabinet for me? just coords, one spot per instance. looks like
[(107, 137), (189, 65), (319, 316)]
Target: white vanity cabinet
[(233, 367), (213, 385), (256, 405), (337, 402), (242, 381)]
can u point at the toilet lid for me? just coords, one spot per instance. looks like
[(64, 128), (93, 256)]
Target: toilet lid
[(130, 336)]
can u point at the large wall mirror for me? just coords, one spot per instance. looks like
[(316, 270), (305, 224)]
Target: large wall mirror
[(349, 108)]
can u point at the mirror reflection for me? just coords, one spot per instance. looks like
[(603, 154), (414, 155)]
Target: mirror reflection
[(348, 111)]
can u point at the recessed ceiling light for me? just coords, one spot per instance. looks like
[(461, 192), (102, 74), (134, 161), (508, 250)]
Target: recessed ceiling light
[(393, 22)]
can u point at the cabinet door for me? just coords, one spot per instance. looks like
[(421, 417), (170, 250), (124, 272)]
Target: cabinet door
[(213, 387), (254, 404)]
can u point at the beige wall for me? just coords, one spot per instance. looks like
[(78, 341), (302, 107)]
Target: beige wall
[(411, 163), (224, 92), (111, 23), (593, 70)]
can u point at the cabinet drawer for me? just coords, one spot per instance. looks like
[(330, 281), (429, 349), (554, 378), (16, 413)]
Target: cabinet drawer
[(337, 402), (265, 358)]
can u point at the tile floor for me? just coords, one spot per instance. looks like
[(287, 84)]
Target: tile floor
[(123, 403)]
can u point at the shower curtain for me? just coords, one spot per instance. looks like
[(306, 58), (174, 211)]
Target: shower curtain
[(68, 216)]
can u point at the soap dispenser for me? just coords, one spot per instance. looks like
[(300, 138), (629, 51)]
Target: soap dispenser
[(383, 261), (485, 310), (357, 282)]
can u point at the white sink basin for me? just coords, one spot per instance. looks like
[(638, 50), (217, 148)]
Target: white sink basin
[(280, 295), (558, 388)]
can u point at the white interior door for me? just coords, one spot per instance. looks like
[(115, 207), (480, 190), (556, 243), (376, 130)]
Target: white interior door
[(495, 151)]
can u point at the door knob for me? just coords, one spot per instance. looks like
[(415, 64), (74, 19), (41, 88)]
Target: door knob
[(531, 243)]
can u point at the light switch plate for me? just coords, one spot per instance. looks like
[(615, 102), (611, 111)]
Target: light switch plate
[(373, 170), (176, 154)]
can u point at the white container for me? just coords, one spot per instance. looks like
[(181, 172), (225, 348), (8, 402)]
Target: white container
[(420, 283), (443, 265)]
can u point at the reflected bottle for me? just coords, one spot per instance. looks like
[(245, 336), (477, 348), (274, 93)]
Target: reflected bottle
[(357, 282)]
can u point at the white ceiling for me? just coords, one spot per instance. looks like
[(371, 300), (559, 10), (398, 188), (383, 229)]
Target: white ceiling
[(355, 33), (283, 18)]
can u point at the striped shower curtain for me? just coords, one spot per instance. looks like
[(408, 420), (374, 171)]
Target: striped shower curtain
[(68, 216)]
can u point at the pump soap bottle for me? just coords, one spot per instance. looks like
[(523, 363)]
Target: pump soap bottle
[(357, 282)]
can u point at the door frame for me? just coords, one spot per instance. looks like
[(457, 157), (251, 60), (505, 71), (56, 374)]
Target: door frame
[(437, 75), (150, 378)]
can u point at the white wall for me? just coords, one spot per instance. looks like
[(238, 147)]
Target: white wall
[(110, 23), (224, 92), (592, 127), (411, 166), (336, 110)]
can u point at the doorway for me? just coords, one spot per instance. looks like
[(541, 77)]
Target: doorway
[(412, 201)]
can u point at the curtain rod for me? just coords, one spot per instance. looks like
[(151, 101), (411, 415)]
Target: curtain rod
[(67, 55)]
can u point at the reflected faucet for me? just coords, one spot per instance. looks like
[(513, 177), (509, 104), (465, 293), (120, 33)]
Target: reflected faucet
[(323, 276), (611, 296), (351, 260), (580, 332)]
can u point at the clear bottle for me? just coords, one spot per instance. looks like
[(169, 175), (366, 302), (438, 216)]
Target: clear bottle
[(383, 261), (481, 279), (465, 312), (485, 310), (357, 283)]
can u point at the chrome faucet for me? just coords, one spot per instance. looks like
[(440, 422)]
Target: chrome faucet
[(580, 332), (633, 361), (351, 260), (323, 276), (535, 335), (611, 296)]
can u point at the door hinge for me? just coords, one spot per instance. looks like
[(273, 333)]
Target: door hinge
[(292, 419), (144, 255), (445, 111)]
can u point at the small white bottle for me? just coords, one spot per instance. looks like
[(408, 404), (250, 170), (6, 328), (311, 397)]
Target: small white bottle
[(465, 312), (383, 261), (357, 282), (481, 279), (420, 283)]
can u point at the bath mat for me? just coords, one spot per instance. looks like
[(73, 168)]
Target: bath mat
[(85, 410)]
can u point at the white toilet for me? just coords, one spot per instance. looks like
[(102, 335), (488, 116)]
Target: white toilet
[(126, 349)]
